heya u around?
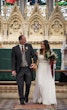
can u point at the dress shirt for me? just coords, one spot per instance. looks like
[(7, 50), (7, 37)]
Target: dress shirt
[(24, 62)]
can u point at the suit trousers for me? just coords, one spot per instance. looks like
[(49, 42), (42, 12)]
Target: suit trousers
[(24, 75)]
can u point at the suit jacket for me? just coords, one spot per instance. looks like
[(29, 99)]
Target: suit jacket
[(17, 56)]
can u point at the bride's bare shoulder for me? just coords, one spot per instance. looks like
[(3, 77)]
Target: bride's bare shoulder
[(37, 52)]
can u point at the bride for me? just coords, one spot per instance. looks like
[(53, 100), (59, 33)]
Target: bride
[(45, 86)]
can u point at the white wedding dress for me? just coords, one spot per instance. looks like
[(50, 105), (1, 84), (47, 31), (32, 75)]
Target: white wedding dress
[(45, 86)]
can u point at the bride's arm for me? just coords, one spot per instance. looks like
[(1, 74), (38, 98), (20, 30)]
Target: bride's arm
[(37, 52), (35, 65)]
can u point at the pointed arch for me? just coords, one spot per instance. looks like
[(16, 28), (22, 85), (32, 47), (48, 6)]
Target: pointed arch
[(15, 24), (56, 25), (36, 9), (57, 14), (36, 25)]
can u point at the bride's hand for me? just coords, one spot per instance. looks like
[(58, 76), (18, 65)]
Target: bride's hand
[(33, 66)]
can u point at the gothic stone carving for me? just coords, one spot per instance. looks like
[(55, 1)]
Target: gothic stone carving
[(57, 28), (36, 27), (15, 27)]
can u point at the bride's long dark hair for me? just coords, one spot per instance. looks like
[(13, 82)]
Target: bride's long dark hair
[(47, 46)]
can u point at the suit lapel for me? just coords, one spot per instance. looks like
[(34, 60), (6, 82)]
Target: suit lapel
[(26, 51), (19, 50)]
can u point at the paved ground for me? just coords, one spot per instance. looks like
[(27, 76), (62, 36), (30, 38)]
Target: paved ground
[(13, 104)]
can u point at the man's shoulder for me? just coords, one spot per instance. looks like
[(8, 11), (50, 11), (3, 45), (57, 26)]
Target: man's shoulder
[(28, 44), (15, 46)]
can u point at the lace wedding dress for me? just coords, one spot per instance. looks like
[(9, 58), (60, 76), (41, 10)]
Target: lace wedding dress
[(45, 86)]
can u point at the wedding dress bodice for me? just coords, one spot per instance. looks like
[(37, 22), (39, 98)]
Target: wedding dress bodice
[(42, 59)]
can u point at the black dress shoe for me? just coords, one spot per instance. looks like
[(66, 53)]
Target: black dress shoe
[(22, 103), (26, 100)]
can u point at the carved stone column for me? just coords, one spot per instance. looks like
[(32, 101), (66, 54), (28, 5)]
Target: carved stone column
[(66, 38), (0, 6), (18, 2), (26, 30), (50, 6), (22, 6), (5, 31), (46, 30)]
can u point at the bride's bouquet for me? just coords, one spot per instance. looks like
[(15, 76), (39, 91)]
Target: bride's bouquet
[(51, 56)]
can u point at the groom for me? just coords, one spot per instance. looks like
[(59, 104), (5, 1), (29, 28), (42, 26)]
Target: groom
[(22, 55)]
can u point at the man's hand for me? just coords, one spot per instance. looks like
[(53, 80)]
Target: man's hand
[(14, 73)]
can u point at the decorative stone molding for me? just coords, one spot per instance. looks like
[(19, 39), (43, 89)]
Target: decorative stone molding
[(10, 42), (36, 27), (50, 42)]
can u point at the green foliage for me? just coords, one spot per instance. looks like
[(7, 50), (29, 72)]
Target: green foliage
[(61, 3), (9, 4)]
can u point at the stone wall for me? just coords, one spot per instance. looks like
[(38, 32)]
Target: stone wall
[(35, 27)]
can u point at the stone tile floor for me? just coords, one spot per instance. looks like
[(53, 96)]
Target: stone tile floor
[(13, 104)]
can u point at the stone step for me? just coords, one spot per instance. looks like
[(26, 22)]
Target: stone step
[(10, 91)]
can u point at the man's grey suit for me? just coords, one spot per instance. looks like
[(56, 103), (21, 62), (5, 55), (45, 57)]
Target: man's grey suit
[(23, 73)]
